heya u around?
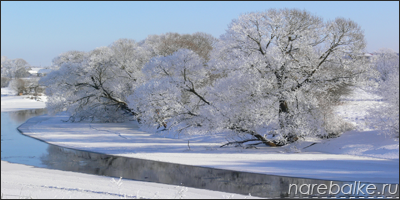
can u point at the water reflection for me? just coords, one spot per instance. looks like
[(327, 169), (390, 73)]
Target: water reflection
[(23, 115), (18, 148), (189, 176)]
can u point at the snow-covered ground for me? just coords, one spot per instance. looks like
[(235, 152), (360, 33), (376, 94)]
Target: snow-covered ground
[(297, 160), (20, 181), (10, 102), (365, 140)]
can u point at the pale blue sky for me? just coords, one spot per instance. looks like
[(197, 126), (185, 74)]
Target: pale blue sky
[(39, 31)]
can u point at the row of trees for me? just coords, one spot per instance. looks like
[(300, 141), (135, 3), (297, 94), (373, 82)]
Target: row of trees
[(13, 72), (273, 77), (98, 83), (13, 69)]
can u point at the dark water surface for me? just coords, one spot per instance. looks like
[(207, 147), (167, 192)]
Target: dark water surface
[(18, 148)]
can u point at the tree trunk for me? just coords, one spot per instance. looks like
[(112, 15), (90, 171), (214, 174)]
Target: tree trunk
[(283, 109)]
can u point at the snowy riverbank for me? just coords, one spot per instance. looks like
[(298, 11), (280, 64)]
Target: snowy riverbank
[(21, 181), (10, 102), (327, 159), (359, 155)]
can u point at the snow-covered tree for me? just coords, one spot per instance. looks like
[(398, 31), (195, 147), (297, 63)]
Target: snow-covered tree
[(4, 80), (15, 68), (173, 91), (385, 62), (26, 86), (386, 115), (130, 58), (18, 85), (167, 44), (280, 69), (68, 57), (274, 77), (95, 85)]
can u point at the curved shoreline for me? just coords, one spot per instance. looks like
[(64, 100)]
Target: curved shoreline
[(230, 181), (200, 172), (24, 128)]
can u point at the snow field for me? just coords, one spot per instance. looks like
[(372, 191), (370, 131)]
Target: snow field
[(10, 102), (21, 181)]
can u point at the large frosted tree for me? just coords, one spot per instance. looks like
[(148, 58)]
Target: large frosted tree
[(273, 77), (281, 71)]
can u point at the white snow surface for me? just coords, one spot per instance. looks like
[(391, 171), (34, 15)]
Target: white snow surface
[(21, 181), (10, 102), (372, 159)]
